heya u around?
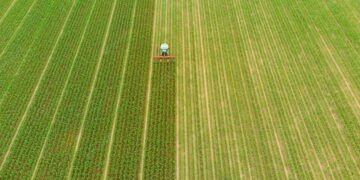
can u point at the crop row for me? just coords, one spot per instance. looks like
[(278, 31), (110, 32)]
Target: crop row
[(160, 141), (127, 145), (15, 46), (323, 94), (315, 78), (267, 104), (14, 105), (91, 157), (35, 121), (12, 22), (6, 6), (60, 152), (283, 92), (16, 54)]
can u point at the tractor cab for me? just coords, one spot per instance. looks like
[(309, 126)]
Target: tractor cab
[(164, 49), (164, 52)]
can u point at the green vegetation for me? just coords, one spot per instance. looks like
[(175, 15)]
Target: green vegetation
[(259, 89), (127, 145), (160, 140), (272, 85)]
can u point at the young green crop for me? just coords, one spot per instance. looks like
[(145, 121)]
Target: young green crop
[(160, 146)]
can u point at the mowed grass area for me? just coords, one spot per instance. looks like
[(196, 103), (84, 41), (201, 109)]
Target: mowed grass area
[(260, 89)]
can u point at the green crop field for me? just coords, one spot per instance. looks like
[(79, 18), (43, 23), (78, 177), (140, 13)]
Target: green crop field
[(260, 89)]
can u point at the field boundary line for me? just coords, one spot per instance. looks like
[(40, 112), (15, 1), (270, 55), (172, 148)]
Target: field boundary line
[(15, 33), (177, 99), (123, 73), (104, 43), (7, 11), (62, 93), (37, 86), (147, 107)]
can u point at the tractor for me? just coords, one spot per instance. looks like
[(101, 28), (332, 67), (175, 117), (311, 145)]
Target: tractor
[(164, 52)]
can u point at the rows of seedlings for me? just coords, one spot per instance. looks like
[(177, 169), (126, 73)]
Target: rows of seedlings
[(59, 152), (15, 104), (91, 157), (39, 116), (160, 141), (127, 145)]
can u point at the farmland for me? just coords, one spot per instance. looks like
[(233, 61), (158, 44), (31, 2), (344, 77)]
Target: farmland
[(258, 90)]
